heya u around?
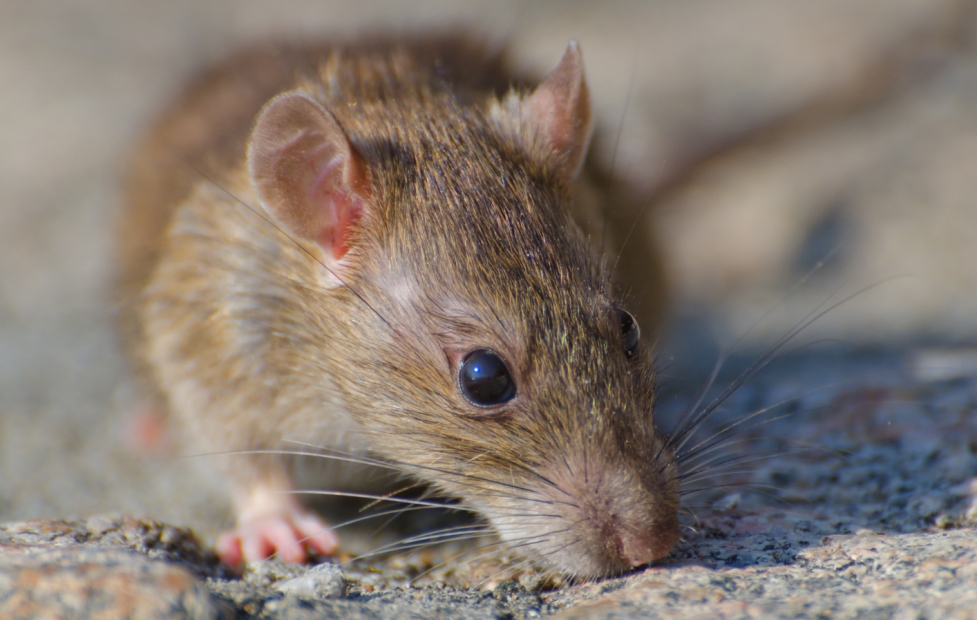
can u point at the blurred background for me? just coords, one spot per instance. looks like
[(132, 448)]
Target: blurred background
[(769, 135)]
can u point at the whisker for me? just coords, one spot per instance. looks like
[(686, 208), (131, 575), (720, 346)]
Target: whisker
[(756, 367), (537, 540), (746, 486), (364, 461), (677, 432), (617, 144), (459, 507), (468, 551), (509, 569), (718, 461), (426, 494), (723, 443), (755, 488), (370, 505), (691, 451), (389, 465), (408, 466), (738, 460), (713, 476), (641, 213), (350, 522), (444, 535), (394, 466), (458, 555), (420, 502), (388, 549), (377, 515)]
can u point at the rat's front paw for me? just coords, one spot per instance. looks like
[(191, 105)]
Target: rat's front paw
[(286, 536)]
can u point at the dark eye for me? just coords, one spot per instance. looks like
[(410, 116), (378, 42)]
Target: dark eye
[(630, 334), (485, 379)]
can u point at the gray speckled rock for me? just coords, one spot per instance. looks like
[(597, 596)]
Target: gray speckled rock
[(88, 582), (855, 576), (176, 545), (322, 581)]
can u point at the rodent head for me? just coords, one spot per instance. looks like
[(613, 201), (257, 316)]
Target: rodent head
[(471, 325)]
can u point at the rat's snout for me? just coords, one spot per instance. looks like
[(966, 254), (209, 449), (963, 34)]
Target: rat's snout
[(612, 518), (636, 548), (643, 546), (634, 525)]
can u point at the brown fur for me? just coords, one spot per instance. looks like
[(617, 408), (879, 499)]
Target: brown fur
[(470, 242)]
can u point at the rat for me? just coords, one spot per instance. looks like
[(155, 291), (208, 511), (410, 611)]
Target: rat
[(392, 246)]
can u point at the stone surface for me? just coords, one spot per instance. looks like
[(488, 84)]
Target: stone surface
[(175, 545), (323, 581), (852, 576), (89, 582)]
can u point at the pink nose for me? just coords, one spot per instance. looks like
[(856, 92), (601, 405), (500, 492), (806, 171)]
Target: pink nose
[(636, 549)]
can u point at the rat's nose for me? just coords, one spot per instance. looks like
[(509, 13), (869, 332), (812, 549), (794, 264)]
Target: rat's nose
[(619, 520), (636, 548), (640, 547)]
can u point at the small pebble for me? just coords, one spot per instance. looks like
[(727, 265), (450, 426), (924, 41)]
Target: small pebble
[(323, 581)]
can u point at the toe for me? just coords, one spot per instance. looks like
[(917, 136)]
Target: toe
[(254, 543), (228, 549), (284, 539), (316, 534)]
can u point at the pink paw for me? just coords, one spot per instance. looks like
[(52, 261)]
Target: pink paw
[(285, 536)]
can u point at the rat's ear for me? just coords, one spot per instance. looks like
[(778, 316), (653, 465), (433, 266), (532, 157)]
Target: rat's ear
[(307, 174), (557, 113)]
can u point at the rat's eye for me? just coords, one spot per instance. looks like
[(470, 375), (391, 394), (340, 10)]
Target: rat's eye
[(630, 333), (485, 379)]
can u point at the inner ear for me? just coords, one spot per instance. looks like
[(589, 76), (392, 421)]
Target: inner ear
[(559, 112), (307, 174)]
